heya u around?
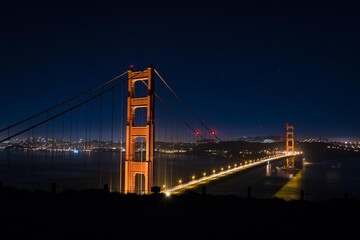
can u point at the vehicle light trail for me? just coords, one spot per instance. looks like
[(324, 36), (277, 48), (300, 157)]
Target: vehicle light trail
[(195, 182)]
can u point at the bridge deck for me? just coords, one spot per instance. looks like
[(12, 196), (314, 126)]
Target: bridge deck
[(196, 182)]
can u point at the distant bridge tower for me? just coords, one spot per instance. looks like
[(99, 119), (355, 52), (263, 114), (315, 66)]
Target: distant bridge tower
[(290, 140), (138, 170)]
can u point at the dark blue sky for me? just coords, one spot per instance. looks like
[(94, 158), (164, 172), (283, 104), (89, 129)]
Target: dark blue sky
[(244, 68)]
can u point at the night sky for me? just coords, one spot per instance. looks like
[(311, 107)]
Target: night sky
[(246, 69)]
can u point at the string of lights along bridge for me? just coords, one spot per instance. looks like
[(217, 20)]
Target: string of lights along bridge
[(131, 134)]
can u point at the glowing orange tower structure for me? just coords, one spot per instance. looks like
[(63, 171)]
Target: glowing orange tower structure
[(143, 168), (290, 140)]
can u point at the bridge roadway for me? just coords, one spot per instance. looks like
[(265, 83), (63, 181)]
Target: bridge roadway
[(250, 164)]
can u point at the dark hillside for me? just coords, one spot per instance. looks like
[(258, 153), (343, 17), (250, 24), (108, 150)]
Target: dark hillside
[(93, 213)]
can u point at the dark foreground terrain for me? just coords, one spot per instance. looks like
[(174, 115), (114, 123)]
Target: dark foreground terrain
[(97, 214)]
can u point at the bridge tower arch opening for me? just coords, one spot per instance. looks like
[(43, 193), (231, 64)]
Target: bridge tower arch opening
[(290, 140), (139, 174)]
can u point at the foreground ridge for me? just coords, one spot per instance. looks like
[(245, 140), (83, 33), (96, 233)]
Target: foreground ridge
[(186, 216)]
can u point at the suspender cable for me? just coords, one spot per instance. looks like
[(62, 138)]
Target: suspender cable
[(112, 139), (183, 103), (174, 112), (65, 102), (123, 107), (86, 140), (61, 113), (100, 139), (62, 104), (62, 128), (77, 129), (177, 114), (52, 150), (70, 147)]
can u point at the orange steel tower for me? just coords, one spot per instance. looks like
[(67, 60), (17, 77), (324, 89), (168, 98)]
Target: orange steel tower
[(290, 147), (139, 168)]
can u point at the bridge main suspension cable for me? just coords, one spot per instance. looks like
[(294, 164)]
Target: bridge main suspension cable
[(46, 111), (173, 111), (185, 105)]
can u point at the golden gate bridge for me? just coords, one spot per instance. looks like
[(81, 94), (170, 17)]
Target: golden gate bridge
[(110, 136)]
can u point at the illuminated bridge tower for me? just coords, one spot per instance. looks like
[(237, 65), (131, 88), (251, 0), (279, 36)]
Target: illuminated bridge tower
[(290, 142), (290, 163), (139, 170)]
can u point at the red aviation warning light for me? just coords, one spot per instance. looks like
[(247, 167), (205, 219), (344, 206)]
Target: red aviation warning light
[(212, 132), (197, 133)]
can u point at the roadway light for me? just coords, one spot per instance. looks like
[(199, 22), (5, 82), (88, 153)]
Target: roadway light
[(180, 181), (193, 177)]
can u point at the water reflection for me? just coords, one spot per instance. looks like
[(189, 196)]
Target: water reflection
[(268, 169), (37, 170), (325, 180), (85, 170)]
